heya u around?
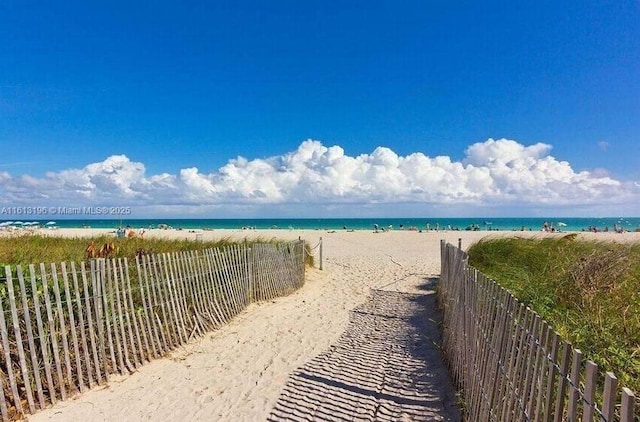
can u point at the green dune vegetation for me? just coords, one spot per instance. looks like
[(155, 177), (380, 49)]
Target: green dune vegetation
[(588, 291), (34, 249)]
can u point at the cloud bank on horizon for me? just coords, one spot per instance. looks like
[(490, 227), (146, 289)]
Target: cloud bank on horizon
[(496, 177)]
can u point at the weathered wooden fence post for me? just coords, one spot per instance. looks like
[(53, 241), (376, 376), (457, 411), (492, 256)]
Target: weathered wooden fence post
[(249, 258)]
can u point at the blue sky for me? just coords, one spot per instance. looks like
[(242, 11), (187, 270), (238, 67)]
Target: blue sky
[(116, 103)]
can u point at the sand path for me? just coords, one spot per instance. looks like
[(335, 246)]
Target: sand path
[(239, 371), (386, 366)]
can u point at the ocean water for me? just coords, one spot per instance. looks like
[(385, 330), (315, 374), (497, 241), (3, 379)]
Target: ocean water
[(484, 224)]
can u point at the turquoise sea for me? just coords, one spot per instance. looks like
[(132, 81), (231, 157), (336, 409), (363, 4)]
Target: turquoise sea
[(535, 224)]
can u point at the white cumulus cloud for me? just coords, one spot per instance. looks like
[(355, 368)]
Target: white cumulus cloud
[(493, 174)]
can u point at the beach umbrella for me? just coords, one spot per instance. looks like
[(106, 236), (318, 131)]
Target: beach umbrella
[(20, 223), (50, 223), (561, 224), (6, 223)]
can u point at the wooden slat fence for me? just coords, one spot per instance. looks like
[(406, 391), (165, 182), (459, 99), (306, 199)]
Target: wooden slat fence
[(509, 364), (66, 328)]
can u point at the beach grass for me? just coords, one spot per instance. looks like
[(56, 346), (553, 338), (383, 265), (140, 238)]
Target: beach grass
[(588, 291), (33, 249)]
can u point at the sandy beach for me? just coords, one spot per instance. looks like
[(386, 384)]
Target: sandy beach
[(239, 371)]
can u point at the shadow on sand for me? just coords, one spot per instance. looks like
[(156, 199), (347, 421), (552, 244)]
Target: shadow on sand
[(386, 366)]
